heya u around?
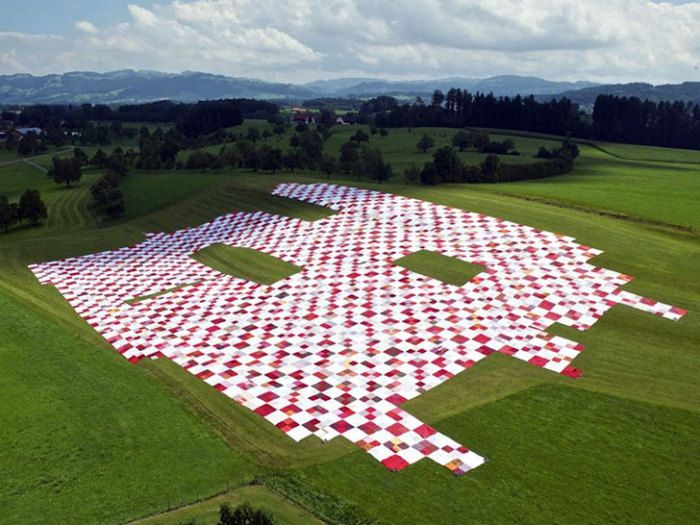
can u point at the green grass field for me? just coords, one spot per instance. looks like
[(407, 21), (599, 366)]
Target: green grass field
[(636, 185), (651, 153), (88, 437), (283, 511), (665, 192), (247, 264), (449, 270)]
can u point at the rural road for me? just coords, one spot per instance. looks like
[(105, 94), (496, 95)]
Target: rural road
[(30, 160)]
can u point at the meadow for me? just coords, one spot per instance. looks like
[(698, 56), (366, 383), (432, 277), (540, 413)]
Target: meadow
[(88, 437)]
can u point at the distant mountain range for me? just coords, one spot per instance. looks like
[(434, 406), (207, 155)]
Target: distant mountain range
[(687, 92), (500, 86), (128, 86)]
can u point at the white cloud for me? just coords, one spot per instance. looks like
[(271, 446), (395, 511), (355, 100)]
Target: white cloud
[(86, 27), (142, 16), (298, 40)]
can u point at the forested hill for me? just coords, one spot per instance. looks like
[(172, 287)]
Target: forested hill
[(685, 92), (130, 87)]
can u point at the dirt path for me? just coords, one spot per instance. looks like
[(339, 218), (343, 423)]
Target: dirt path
[(35, 165), (30, 160)]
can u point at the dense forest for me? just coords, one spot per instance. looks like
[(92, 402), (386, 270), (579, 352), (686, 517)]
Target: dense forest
[(195, 119), (616, 119)]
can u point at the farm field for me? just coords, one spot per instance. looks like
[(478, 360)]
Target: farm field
[(651, 153), (631, 187), (97, 439), (208, 512)]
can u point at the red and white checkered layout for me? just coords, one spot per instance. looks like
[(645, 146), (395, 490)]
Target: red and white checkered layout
[(337, 348)]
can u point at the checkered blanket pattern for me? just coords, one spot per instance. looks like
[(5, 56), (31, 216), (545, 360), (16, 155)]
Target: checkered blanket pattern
[(337, 348)]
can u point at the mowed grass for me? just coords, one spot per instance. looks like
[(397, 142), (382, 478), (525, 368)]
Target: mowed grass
[(88, 438), (651, 153), (399, 146), (629, 354), (662, 192), (17, 177), (449, 270), (600, 181), (66, 207), (555, 455), (245, 263), (207, 513), (11, 156), (617, 445)]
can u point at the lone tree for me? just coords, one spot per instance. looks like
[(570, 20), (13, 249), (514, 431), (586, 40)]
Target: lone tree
[(292, 160), (200, 160), (478, 139), (425, 143), (253, 134), (489, 166), (107, 198), (349, 156), (328, 165), (8, 213), (412, 174), (251, 160), (65, 170), (229, 156), (360, 136), (447, 164), (383, 173), (429, 174), (461, 140), (270, 158), (373, 164), (244, 514), (31, 207), (81, 156)]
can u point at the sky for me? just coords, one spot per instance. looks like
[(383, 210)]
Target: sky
[(302, 40)]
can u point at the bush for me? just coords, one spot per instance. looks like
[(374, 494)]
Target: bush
[(499, 148), (201, 160), (31, 207), (244, 514), (107, 198), (445, 169), (412, 174)]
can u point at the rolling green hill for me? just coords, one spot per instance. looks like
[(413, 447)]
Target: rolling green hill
[(88, 437)]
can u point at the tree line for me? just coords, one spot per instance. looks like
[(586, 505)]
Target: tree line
[(460, 108), (633, 121), (30, 208), (192, 119), (306, 151), (446, 165), (615, 119)]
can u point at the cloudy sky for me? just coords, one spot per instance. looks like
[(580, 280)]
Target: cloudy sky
[(303, 40)]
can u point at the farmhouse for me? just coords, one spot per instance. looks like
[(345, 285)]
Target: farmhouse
[(304, 118), (11, 135), (347, 120), (17, 134)]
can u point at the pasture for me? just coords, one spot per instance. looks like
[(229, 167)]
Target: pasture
[(89, 437)]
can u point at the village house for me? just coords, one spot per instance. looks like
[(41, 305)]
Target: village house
[(304, 118), (347, 120), (11, 135)]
